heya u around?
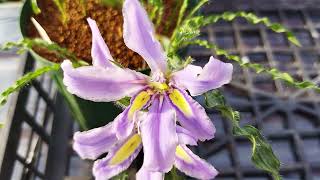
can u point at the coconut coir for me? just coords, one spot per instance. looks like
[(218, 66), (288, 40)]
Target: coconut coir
[(75, 34)]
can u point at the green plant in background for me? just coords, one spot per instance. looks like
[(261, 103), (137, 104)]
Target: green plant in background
[(188, 28)]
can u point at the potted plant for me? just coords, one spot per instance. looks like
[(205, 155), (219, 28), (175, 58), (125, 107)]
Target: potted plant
[(169, 72), (68, 28)]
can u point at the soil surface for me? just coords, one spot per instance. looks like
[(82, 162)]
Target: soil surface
[(75, 35)]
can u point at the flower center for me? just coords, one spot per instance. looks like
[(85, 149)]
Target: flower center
[(159, 87)]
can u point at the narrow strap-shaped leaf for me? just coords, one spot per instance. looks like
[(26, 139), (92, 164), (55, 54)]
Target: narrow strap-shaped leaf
[(24, 80), (35, 7), (275, 73), (262, 153)]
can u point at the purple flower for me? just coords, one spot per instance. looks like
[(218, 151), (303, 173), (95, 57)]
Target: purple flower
[(157, 103)]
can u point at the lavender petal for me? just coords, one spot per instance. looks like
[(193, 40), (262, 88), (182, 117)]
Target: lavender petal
[(100, 84), (158, 132), (214, 75), (139, 35)]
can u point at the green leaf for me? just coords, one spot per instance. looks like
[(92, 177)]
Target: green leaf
[(24, 80), (182, 11), (262, 154), (1, 125), (28, 44), (275, 73), (35, 7), (173, 175), (197, 7), (175, 63), (124, 102), (156, 11), (155, 2), (190, 28), (122, 176)]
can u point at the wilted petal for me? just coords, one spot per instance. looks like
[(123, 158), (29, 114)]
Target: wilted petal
[(140, 37), (118, 159), (159, 137), (192, 165), (91, 144), (124, 123), (185, 136), (100, 52), (101, 84), (191, 115), (214, 74), (144, 174)]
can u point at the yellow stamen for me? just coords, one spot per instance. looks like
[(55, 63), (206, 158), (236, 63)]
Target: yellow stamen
[(141, 100), (126, 150), (182, 154), (178, 100)]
